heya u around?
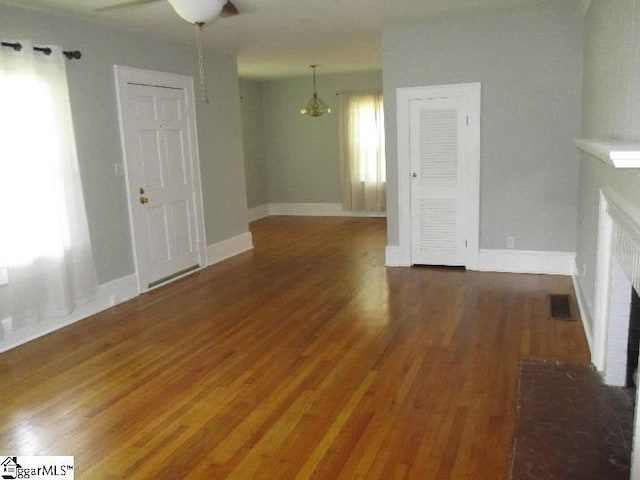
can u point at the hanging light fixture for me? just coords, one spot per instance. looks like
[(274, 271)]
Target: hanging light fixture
[(199, 12), (315, 106)]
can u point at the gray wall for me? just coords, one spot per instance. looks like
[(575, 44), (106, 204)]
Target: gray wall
[(253, 135), (611, 109), (93, 103), (529, 62), (302, 153)]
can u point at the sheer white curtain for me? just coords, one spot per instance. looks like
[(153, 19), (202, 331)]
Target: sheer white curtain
[(44, 238), (362, 152)]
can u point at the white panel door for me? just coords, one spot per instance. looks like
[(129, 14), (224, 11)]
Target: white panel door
[(158, 139), (438, 197)]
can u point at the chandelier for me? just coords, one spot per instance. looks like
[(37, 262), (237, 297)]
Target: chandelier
[(315, 106)]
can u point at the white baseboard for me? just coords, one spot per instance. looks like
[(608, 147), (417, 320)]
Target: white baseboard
[(119, 291), (306, 210), (256, 213), (511, 261), (527, 261), (317, 210), (108, 295), (229, 247), (392, 257), (585, 314)]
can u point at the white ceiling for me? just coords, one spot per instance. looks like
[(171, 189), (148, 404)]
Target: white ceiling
[(279, 38)]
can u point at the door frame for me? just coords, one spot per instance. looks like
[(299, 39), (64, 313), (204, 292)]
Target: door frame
[(125, 75), (404, 96)]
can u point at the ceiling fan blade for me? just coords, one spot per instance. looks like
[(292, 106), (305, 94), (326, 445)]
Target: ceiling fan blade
[(229, 10), (130, 3)]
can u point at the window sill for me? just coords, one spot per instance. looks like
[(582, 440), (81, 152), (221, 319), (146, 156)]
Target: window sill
[(615, 153)]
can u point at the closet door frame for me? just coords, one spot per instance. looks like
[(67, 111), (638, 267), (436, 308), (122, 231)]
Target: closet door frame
[(404, 96)]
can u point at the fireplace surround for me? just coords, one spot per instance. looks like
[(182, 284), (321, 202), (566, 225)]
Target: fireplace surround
[(617, 274), (618, 270)]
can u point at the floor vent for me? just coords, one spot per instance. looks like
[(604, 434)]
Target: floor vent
[(559, 306)]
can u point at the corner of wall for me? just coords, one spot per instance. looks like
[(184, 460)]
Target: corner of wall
[(256, 213), (585, 314), (392, 257)]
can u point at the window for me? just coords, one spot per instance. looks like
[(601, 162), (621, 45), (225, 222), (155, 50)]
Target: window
[(362, 152), (45, 252), (30, 171)]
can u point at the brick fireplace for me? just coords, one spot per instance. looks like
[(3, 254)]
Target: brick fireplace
[(618, 272)]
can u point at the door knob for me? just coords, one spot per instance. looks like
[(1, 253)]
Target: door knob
[(414, 175), (144, 200)]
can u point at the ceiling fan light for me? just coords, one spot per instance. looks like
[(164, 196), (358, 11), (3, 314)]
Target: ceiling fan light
[(197, 11)]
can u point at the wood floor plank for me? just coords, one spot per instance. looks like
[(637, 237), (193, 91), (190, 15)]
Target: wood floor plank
[(303, 358)]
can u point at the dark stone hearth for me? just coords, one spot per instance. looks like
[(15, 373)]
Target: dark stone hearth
[(569, 426)]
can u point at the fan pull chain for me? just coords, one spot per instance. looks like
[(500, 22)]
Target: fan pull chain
[(203, 87)]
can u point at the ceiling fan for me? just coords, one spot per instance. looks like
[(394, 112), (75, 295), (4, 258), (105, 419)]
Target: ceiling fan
[(196, 12), (228, 9)]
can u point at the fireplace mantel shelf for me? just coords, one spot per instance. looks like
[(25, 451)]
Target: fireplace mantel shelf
[(616, 153)]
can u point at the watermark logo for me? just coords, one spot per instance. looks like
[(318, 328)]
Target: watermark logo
[(37, 467), (10, 468)]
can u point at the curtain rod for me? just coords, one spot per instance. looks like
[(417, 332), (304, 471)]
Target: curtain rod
[(75, 54)]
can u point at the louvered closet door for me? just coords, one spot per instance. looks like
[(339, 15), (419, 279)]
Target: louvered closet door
[(437, 151)]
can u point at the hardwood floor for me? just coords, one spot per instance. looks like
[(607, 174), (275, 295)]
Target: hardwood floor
[(304, 358)]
